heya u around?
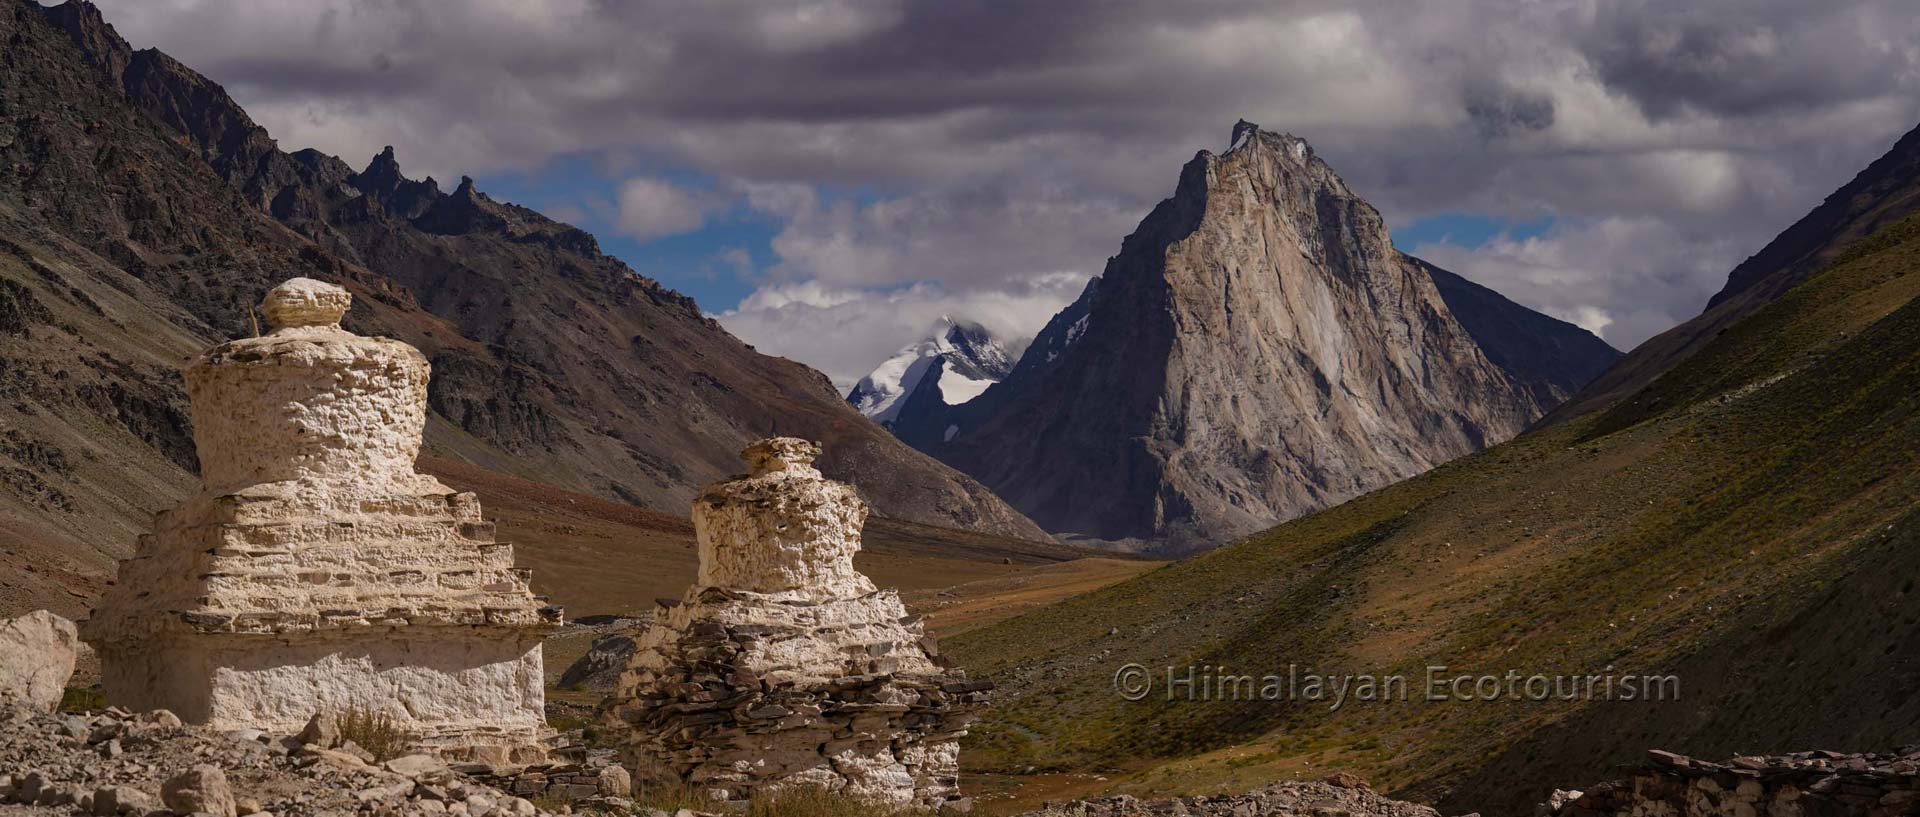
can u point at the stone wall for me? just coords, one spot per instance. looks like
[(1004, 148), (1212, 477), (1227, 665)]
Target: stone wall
[(1806, 784)]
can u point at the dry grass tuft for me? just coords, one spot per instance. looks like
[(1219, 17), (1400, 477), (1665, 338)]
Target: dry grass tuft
[(375, 732)]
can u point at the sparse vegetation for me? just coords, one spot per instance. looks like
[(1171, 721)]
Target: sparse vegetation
[(83, 699), (375, 732)]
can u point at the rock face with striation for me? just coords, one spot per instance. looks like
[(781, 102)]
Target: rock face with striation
[(315, 571), (1257, 350), (784, 666)]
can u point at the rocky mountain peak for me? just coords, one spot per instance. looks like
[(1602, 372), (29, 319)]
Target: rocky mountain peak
[(467, 210), (384, 182), (96, 37), (1247, 135), (382, 175), (956, 364), (1241, 130), (972, 349), (1257, 349)]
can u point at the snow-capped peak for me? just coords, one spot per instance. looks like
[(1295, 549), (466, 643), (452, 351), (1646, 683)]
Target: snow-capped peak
[(962, 357)]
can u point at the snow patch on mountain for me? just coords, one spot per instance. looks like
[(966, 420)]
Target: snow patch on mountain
[(957, 388), (963, 357), (878, 395)]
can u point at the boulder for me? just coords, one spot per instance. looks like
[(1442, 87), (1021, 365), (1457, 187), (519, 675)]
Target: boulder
[(200, 790), (37, 652), (321, 732), (113, 800), (615, 781)]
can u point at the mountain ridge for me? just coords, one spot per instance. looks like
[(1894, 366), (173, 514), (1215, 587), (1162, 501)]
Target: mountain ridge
[(581, 385), (127, 246)]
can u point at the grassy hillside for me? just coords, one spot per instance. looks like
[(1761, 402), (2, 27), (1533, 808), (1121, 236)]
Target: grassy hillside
[(1746, 522)]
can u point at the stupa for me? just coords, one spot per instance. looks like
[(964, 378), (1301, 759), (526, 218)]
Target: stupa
[(783, 666), (315, 572)]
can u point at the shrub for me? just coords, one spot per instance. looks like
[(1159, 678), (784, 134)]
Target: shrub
[(375, 732), (83, 699)]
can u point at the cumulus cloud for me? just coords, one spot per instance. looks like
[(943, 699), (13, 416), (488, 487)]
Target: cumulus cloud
[(960, 152), (652, 208), (1616, 277)]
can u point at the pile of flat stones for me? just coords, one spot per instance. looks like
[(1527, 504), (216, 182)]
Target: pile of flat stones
[(700, 709), (1803, 784), (1341, 796), (150, 764), (578, 775)]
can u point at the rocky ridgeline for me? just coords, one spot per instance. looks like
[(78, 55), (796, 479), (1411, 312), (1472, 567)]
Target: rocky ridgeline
[(1804, 784), (1340, 796), (783, 666), (121, 763)]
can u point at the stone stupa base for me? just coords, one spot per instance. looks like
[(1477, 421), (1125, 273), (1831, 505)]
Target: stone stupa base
[(461, 694), (739, 694)]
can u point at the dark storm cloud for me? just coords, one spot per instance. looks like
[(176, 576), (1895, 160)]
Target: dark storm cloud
[(1746, 57), (1008, 148)]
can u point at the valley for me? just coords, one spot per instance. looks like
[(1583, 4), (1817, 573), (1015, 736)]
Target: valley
[(1140, 548)]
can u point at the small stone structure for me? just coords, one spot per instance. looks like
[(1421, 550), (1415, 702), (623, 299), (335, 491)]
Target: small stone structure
[(1804, 784), (784, 666), (316, 572)]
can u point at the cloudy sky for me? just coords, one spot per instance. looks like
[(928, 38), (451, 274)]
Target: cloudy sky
[(830, 176)]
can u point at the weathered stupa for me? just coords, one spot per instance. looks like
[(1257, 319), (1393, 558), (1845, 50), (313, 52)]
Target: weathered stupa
[(784, 666), (316, 572)]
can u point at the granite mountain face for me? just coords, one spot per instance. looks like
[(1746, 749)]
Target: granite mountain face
[(142, 214), (1258, 349)]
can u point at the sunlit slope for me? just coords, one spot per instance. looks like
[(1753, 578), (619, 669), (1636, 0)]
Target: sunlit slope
[(1735, 523)]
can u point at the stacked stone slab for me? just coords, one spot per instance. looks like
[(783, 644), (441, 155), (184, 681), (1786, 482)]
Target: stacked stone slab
[(1804, 784), (784, 666), (315, 572)]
